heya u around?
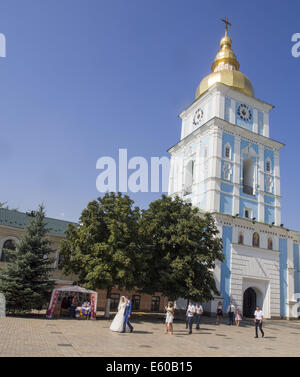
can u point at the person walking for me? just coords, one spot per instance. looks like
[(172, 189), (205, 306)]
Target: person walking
[(238, 316), (118, 322), (219, 312), (190, 316), (258, 320), (230, 312), (169, 318), (198, 313), (127, 314)]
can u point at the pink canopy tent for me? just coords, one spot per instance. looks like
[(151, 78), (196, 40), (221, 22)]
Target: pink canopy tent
[(72, 290)]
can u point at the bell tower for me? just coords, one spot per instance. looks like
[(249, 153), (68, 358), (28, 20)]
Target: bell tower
[(225, 161)]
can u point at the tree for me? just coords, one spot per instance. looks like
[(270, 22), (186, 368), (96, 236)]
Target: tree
[(25, 278), (181, 248), (5, 206), (104, 250)]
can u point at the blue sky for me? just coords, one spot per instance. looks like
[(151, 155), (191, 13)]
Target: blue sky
[(83, 78)]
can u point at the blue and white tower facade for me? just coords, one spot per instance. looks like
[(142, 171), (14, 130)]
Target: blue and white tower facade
[(227, 164)]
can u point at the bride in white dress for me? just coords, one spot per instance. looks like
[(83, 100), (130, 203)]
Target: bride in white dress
[(118, 321)]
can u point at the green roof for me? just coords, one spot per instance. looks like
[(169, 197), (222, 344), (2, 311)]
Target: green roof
[(19, 220)]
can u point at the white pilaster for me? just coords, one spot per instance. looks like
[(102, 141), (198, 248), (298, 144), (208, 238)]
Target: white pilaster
[(236, 175), (266, 124), (276, 174), (255, 121), (197, 178), (171, 177), (277, 188), (215, 148), (232, 112), (261, 184)]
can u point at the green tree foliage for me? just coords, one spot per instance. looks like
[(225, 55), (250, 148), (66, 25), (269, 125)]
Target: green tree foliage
[(5, 206), (104, 250), (181, 246), (25, 278), (171, 248)]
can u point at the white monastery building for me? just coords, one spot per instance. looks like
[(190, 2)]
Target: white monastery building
[(227, 164)]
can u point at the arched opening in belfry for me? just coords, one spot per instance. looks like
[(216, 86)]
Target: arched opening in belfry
[(248, 176), (189, 177)]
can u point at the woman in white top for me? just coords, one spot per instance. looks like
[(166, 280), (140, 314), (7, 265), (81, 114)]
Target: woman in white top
[(258, 320), (169, 317), (118, 321)]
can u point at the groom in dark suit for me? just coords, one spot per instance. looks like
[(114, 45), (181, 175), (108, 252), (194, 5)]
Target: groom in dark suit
[(127, 314)]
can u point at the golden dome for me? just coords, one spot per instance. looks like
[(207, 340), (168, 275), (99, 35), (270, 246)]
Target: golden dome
[(225, 70)]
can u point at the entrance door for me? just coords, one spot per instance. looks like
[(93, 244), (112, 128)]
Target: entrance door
[(249, 303)]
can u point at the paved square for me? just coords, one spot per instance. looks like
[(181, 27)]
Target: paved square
[(65, 337)]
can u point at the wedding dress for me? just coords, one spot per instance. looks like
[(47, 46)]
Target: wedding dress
[(118, 321)]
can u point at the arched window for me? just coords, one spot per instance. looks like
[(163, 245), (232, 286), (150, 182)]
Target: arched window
[(248, 176), (8, 245), (189, 177), (270, 243), (255, 240), (241, 238), (227, 151)]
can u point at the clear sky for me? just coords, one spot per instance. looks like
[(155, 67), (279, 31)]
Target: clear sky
[(83, 78)]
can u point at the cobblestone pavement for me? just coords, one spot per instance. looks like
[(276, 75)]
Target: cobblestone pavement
[(65, 337)]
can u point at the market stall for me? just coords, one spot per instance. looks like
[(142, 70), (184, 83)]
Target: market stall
[(73, 301)]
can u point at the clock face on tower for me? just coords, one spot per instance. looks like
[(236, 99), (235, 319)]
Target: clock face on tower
[(244, 112), (198, 117)]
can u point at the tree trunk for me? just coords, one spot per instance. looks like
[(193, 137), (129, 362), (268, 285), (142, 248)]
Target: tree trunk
[(107, 309)]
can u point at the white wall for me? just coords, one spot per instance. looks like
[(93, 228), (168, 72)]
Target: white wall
[(261, 268)]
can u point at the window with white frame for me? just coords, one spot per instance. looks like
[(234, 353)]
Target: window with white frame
[(268, 166), (248, 213), (227, 151)]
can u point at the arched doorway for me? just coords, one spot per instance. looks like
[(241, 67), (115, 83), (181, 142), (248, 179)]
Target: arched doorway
[(249, 303)]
